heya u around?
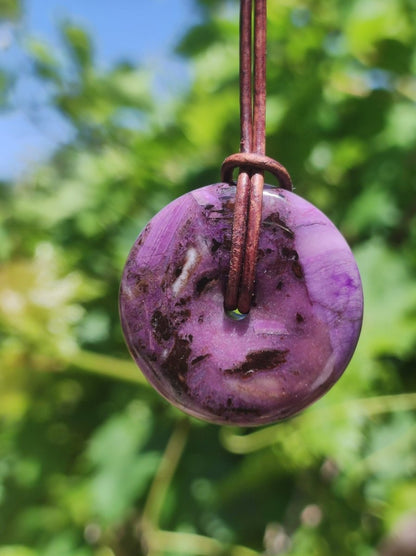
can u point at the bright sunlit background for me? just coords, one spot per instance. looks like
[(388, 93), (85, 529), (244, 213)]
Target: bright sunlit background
[(110, 110), (143, 33)]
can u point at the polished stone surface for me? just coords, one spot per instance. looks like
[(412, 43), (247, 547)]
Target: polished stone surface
[(298, 337)]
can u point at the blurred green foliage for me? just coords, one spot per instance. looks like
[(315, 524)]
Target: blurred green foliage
[(10, 9), (92, 461)]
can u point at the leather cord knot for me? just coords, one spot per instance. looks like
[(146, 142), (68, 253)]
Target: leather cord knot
[(252, 162)]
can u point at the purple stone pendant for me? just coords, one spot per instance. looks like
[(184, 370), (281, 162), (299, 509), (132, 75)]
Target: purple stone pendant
[(291, 347)]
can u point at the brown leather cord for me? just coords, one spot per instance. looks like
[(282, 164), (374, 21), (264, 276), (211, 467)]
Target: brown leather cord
[(251, 160), (242, 195), (248, 161)]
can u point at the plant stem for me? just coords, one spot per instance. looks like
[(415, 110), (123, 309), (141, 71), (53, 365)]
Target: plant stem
[(252, 442), (164, 475), (190, 543), (158, 541), (105, 365), (183, 543)]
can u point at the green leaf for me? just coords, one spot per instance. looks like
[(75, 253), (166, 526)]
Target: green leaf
[(370, 22), (122, 468), (10, 9), (79, 44), (390, 301)]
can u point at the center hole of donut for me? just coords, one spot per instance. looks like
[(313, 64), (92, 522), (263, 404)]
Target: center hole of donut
[(235, 314)]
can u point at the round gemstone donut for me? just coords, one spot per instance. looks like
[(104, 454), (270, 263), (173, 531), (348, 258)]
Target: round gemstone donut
[(293, 345)]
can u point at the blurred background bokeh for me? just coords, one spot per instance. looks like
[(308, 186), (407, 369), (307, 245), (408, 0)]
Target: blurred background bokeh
[(108, 112)]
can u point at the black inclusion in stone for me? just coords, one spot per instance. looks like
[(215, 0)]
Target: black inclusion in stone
[(273, 221), (262, 360), (203, 282), (297, 269), (161, 326), (299, 317), (215, 245), (290, 254), (176, 364), (199, 358)]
